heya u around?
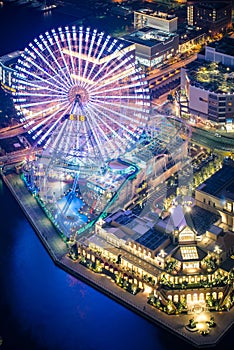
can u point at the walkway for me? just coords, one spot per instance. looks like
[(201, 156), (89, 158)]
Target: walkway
[(137, 303)]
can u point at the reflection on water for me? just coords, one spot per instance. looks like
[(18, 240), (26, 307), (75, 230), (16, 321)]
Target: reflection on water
[(42, 307)]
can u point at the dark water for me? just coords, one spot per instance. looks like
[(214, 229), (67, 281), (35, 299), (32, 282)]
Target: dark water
[(44, 308), (41, 306), (20, 25)]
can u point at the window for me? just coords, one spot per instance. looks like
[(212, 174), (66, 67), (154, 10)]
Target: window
[(214, 97)]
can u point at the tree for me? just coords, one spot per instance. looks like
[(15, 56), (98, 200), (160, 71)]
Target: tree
[(192, 323), (170, 97), (211, 323)]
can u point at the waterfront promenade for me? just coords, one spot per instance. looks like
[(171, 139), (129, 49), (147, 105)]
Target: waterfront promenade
[(137, 303)]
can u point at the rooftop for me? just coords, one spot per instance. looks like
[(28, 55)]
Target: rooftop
[(212, 5), (228, 264), (198, 219), (189, 253), (215, 230), (149, 36), (10, 58), (225, 45), (211, 76), (201, 219), (126, 225), (186, 34), (158, 14), (152, 239), (221, 184)]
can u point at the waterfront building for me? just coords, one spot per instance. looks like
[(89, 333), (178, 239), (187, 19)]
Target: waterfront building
[(180, 268), (153, 46), (155, 19), (7, 63), (102, 162)]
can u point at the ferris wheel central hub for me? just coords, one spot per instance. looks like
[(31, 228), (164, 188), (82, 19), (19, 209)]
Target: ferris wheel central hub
[(76, 91)]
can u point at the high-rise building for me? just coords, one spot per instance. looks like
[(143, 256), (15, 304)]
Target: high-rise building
[(214, 16)]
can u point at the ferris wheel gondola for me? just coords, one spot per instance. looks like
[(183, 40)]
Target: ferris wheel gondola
[(113, 99)]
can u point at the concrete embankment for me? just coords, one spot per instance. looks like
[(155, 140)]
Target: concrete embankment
[(137, 303)]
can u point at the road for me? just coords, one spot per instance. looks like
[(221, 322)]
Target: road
[(11, 131), (17, 156), (161, 73), (208, 139)]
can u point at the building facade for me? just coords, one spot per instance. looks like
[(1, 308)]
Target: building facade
[(7, 63), (215, 17), (209, 87), (216, 194), (155, 19), (221, 51), (153, 46)]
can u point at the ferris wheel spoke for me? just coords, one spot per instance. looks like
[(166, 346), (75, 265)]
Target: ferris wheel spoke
[(89, 50), (68, 75), (45, 111), (94, 117), (80, 42), (54, 59), (111, 76), (68, 35), (119, 88), (130, 129), (40, 103), (97, 132), (86, 53), (26, 85), (43, 127), (105, 63), (81, 94), (115, 123), (38, 78), (40, 95), (141, 103), (124, 115), (52, 127), (47, 120), (31, 59), (97, 54)]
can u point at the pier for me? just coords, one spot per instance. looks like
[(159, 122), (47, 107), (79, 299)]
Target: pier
[(58, 252)]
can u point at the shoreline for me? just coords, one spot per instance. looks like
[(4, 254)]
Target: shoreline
[(57, 250)]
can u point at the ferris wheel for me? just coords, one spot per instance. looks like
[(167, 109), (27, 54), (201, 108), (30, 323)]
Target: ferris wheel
[(80, 92)]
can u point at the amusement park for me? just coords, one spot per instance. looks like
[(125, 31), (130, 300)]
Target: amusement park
[(85, 106), (115, 182)]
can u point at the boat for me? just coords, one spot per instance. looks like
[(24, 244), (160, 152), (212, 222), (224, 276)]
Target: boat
[(44, 7)]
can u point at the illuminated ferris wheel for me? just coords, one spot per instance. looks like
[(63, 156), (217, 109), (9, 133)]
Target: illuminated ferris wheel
[(80, 93)]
